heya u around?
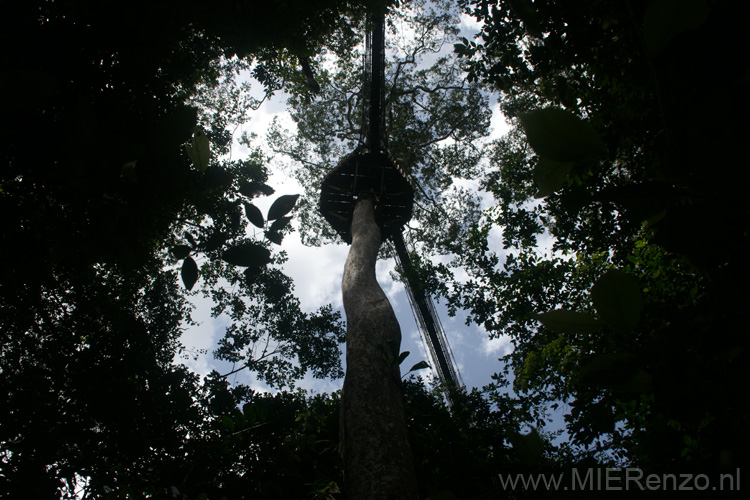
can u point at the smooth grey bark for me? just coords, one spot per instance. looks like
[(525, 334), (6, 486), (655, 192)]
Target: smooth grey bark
[(377, 458)]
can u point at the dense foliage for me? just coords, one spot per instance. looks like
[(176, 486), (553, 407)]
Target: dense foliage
[(108, 221), (626, 126), (434, 119), (619, 274)]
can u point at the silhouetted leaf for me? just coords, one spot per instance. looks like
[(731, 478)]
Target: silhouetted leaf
[(403, 356), (189, 273), (563, 321), (252, 189), (420, 366), (274, 237), (560, 135), (550, 175), (247, 255), (180, 251), (280, 224), (282, 206), (254, 215), (199, 150), (618, 300)]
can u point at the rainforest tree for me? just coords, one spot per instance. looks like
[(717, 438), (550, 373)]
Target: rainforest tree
[(118, 200), (624, 152)]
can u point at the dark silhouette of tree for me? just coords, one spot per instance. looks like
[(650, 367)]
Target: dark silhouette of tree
[(116, 202), (119, 206), (634, 146)]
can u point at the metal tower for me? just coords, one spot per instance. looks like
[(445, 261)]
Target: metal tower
[(371, 170)]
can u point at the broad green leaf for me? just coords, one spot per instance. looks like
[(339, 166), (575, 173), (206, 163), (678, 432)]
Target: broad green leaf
[(550, 175), (199, 150), (618, 300), (282, 206), (180, 251), (189, 272), (280, 223), (254, 215), (247, 255), (560, 135), (403, 356), (564, 321), (419, 366), (665, 19)]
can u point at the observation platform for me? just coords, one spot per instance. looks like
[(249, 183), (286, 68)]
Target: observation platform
[(367, 172)]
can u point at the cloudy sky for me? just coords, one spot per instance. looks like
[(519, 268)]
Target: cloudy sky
[(317, 273)]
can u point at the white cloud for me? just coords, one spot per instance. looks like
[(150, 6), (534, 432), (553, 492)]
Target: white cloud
[(320, 386), (469, 25), (497, 347), (498, 124), (316, 271), (200, 340)]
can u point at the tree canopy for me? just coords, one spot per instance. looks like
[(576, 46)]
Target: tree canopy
[(625, 152), (117, 200), (623, 157), (614, 252), (433, 120)]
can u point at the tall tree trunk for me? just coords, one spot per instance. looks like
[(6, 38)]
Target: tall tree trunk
[(377, 458)]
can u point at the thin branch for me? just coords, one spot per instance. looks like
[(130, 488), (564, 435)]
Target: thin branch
[(236, 370), (252, 427), (250, 362)]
